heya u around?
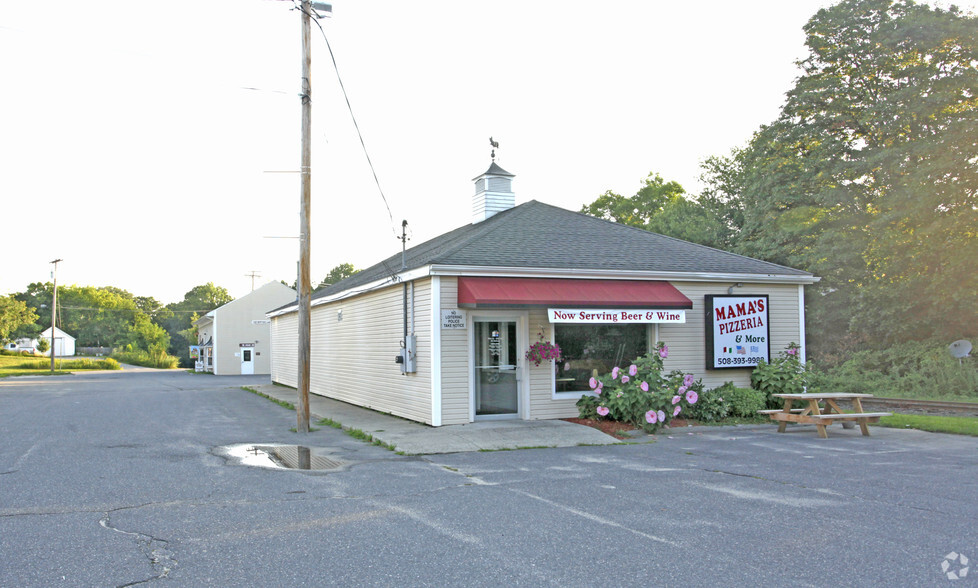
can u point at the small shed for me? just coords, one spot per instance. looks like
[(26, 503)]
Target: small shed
[(64, 344)]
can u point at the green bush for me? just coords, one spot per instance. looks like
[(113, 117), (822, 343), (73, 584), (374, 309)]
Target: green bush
[(156, 358), (742, 402), (15, 352), (783, 375), (70, 364), (711, 407), (914, 369)]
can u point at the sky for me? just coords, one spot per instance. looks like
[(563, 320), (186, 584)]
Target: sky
[(155, 146)]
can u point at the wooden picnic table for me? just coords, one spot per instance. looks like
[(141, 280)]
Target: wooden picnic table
[(821, 417)]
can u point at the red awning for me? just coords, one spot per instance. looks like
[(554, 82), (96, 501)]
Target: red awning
[(484, 292)]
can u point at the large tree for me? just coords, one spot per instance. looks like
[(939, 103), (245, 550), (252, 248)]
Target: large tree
[(869, 177), (93, 315), (14, 314), (661, 207), (340, 272), (176, 318)]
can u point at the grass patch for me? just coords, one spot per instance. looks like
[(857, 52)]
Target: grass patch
[(281, 403), (158, 359), (327, 422), (934, 424), (18, 365)]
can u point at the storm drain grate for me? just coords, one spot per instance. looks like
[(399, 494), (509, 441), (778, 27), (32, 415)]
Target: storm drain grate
[(285, 457)]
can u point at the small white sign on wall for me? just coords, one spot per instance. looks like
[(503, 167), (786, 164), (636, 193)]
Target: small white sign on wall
[(453, 319)]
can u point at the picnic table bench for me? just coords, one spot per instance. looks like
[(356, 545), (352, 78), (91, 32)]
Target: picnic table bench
[(812, 414)]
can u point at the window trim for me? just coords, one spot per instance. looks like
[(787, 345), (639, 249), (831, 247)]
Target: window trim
[(651, 336)]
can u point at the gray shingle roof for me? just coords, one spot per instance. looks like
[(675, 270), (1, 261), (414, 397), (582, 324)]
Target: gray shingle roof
[(495, 170), (539, 235)]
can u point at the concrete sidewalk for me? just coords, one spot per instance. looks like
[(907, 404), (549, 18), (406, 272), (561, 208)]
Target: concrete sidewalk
[(415, 438)]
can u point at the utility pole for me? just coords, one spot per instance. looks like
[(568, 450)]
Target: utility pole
[(252, 274), (54, 308), (305, 331)]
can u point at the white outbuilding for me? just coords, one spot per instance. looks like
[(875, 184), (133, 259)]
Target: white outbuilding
[(64, 344)]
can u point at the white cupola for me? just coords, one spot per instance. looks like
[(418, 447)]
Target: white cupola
[(493, 193)]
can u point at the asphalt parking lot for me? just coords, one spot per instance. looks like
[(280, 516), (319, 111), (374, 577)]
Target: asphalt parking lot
[(117, 479)]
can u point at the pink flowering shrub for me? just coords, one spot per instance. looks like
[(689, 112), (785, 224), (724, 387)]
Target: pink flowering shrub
[(640, 394)]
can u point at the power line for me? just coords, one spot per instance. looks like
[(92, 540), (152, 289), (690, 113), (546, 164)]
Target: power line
[(353, 117)]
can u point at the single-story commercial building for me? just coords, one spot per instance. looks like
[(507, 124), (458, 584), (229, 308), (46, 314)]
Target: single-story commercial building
[(234, 339), (444, 341)]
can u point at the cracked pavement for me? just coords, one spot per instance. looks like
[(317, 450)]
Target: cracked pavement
[(112, 479)]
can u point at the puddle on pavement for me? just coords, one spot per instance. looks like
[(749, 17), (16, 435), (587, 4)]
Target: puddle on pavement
[(282, 457)]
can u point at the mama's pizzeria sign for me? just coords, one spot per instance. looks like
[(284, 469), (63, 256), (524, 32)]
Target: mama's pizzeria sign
[(737, 332), (615, 315)]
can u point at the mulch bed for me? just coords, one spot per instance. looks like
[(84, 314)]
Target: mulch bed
[(620, 430)]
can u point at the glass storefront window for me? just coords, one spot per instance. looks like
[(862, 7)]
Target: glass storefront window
[(589, 350)]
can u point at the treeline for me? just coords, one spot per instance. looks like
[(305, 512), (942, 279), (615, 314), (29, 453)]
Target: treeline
[(868, 179), (111, 317)]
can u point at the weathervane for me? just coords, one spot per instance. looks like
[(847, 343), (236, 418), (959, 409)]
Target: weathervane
[(495, 145)]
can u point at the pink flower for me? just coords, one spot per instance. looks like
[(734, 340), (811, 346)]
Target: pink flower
[(688, 380), (600, 384), (792, 351), (677, 410), (662, 416), (624, 379), (682, 390), (592, 383), (644, 386), (614, 373), (632, 370), (598, 391), (675, 399), (603, 410), (651, 417), (664, 352), (692, 397)]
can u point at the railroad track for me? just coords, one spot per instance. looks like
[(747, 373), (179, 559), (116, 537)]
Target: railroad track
[(935, 407)]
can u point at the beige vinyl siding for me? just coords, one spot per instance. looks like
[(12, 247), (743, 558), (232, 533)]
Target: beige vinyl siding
[(285, 349), (687, 342), (353, 358), (454, 361), (542, 403), (241, 322)]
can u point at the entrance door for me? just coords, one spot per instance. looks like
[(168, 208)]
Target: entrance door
[(496, 375), (247, 361)]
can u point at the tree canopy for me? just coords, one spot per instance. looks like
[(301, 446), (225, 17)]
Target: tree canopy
[(14, 314), (868, 177), (340, 272), (177, 318)]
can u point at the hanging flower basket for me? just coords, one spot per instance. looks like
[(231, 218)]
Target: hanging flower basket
[(542, 351)]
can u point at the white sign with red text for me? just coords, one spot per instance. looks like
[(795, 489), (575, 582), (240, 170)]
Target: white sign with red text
[(620, 315)]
